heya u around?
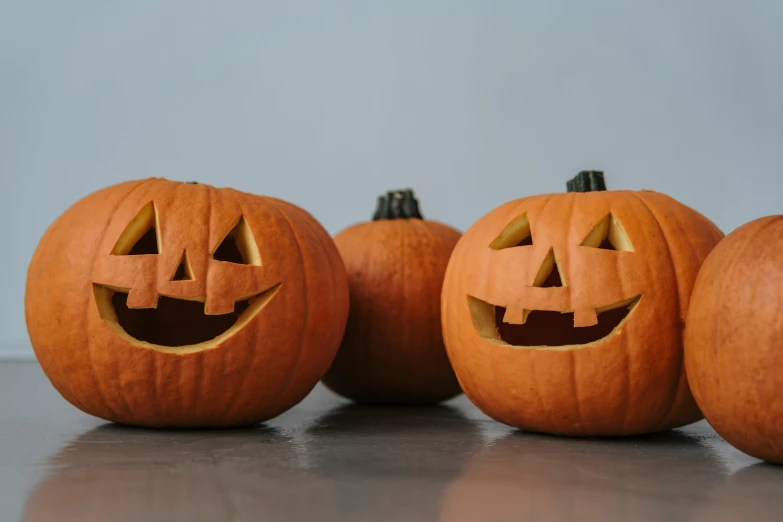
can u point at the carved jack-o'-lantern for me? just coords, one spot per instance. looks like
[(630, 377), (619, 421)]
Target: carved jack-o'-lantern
[(564, 313), (168, 304)]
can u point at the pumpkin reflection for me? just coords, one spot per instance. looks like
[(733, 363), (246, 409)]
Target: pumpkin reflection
[(117, 474), (392, 463), (528, 477), (752, 493)]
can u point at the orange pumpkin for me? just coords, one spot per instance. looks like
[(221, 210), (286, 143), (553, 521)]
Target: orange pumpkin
[(159, 303), (393, 350), (564, 313), (734, 339)]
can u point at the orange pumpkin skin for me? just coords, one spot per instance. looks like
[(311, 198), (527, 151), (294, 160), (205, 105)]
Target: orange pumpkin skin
[(734, 339), (629, 382), (392, 351), (261, 369)]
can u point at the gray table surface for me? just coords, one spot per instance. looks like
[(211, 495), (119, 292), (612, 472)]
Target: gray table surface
[(329, 460)]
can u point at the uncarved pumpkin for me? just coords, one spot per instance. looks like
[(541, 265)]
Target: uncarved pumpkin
[(392, 351), (734, 339), (564, 313), (160, 303)]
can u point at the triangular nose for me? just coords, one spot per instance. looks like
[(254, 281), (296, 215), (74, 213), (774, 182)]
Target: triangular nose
[(554, 278), (183, 272), (548, 275)]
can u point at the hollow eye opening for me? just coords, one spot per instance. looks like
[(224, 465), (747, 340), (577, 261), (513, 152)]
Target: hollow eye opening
[(608, 234), (238, 246), (140, 237), (517, 233)]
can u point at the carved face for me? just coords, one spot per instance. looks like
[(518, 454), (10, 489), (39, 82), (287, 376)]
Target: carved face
[(563, 313), (159, 303), (549, 289), (173, 287)]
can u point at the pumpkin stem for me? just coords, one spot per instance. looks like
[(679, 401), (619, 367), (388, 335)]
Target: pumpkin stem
[(191, 183), (397, 204), (587, 181)]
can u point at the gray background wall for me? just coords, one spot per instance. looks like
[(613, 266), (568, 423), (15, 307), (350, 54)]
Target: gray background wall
[(327, 104)]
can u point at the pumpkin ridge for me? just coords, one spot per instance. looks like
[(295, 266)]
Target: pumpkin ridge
[(330, 255), (48, 328), (368, 262), (715, 235), (62, 382), (231, 403), (678, 304), (736, 258), (628, 353), (341, 288), (404, 250), (329, 259), (373, 260), (199, 362), (90, 300), (574, 380), (542, 211), (305, 315), (314, 228), (122, 393), (156, 359), (682, 376), (477, 398), (422, 225), (716, 328), (546, 406), (514, 211)]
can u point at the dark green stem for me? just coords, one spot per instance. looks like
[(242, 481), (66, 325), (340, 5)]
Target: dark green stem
[(397, 204), (587, 181)]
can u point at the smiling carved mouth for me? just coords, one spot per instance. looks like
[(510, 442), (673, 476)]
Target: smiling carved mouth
[(175, 325), (546, 328)]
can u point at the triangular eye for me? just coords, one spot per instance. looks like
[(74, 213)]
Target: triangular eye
[(608, 234), (183, 272), (239, 246), (140, 236), (516, 233)]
